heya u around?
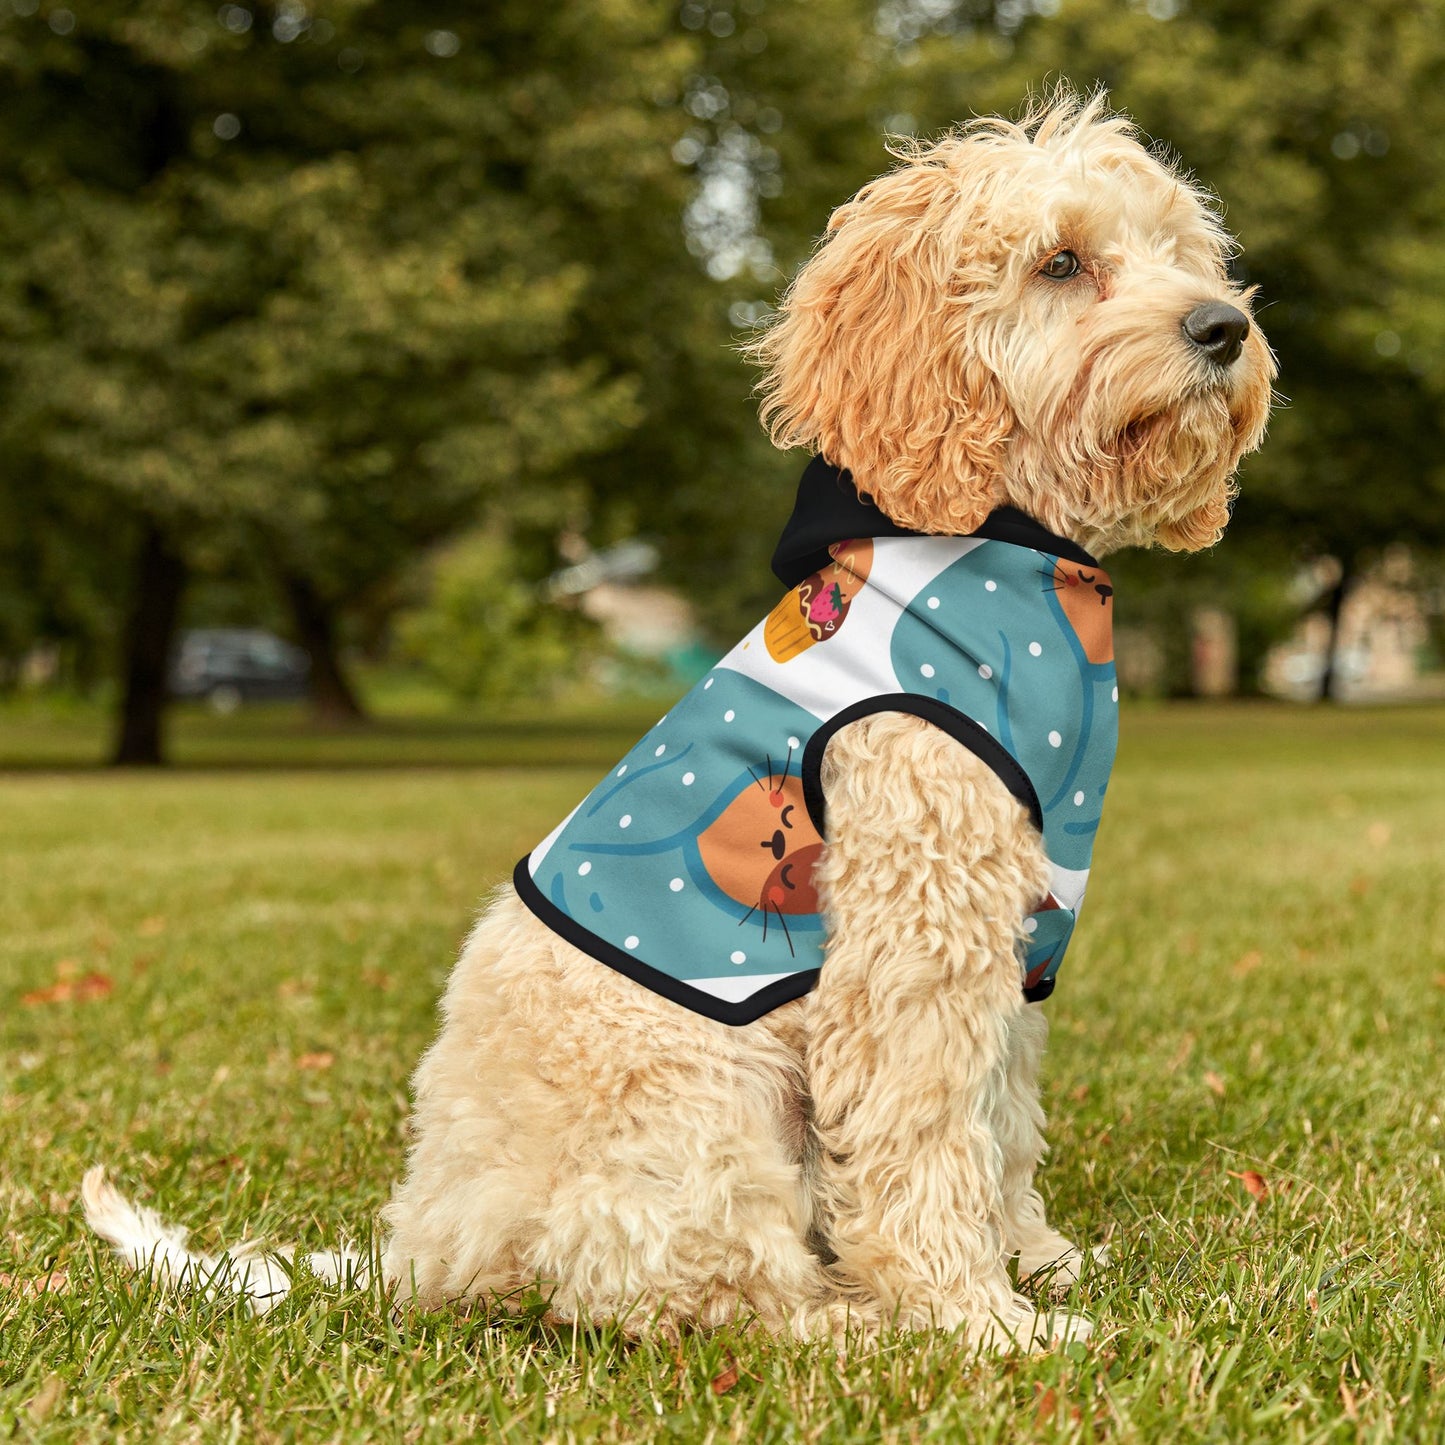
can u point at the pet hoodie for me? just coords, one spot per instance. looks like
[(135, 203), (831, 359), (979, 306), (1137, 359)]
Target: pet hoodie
[(689, 867)]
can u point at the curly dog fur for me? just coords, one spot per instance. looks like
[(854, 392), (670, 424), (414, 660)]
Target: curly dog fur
[(863, 1156)]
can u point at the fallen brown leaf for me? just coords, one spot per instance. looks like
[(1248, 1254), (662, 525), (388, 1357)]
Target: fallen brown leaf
[(1255, 1184), (1214, 1083), (723, 1382), (1046, 1407), (56, 1282), (1247, 963), (56, 993), (66, 990), (322, 1059)]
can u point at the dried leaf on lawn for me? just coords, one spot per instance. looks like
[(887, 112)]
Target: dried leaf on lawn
[(1254, 1182), (726, 1379), (56, 1282), (67, 990)]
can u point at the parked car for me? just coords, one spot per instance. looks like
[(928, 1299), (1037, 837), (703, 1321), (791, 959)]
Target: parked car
[(230, 665)]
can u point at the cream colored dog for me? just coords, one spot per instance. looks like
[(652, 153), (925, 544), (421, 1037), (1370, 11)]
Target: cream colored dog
[(1033, 314)]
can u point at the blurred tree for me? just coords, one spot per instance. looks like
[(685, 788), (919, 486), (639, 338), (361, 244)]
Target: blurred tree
[(326, 284), (289, 281), (781, 108), (485, 634), (1318, 122), (58, 570)]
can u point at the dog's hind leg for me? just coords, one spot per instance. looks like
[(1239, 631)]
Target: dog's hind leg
[(930, 869), (576, 1134), (680, 1199)]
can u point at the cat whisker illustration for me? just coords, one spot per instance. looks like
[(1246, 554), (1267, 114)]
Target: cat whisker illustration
[(786, 933)]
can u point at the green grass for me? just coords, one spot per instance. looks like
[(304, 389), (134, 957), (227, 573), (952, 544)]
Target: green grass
[(1257, 986), (407, 728)]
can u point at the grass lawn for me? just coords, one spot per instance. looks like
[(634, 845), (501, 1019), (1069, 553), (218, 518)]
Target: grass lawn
[(216, 980)]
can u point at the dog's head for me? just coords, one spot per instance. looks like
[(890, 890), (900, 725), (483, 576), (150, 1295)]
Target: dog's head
[(1035, 313)]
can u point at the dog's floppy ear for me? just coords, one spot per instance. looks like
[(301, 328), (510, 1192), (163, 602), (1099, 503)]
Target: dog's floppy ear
[(872, 360)]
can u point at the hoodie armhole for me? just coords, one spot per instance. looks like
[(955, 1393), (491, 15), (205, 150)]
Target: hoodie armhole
[(959, 726)]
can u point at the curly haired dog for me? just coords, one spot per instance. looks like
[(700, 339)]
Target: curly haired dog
[(1031, 315)]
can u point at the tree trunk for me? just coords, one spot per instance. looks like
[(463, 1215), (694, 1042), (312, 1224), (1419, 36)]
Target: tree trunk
[(333, 699), (1329, 676), (160, 578)]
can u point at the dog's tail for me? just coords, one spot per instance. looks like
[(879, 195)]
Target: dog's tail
[(147, 1243)]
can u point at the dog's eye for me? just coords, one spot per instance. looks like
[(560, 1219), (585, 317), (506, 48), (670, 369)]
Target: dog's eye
[(1060, 266)]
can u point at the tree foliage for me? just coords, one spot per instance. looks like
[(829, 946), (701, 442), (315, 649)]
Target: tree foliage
[(318, 287), (486, 635), (308, 290), (1317, 122)]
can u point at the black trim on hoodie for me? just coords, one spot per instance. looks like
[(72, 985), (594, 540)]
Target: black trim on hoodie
[(829, 508), (676, 990)]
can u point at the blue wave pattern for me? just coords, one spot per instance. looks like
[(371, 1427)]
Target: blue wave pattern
[(986, 634), (628, 864)]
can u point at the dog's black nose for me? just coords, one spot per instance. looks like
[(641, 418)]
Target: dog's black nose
[(1218, 330)]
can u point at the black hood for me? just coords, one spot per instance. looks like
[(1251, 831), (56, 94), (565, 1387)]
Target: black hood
[(831, 509)]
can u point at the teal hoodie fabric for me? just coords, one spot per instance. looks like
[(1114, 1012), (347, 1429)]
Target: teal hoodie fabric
[(688, 867)]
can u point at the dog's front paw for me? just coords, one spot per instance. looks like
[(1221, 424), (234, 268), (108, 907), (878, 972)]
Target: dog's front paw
[(1055, 1269), (1023, 1326)]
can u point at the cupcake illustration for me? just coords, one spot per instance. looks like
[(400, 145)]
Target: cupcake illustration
[(816, 608)]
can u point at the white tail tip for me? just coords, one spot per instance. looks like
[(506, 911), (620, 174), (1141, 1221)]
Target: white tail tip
[(147, 1243)]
